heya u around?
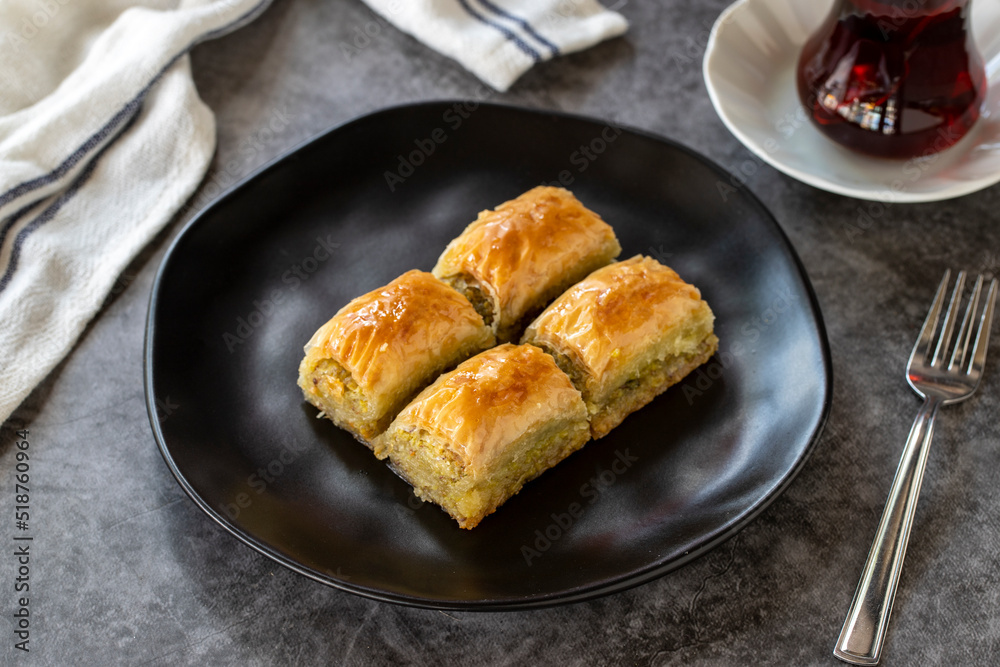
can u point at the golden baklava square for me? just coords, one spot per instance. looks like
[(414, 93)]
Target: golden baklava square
[(624, 334), (473, 438), (378, 351), (516, 258)]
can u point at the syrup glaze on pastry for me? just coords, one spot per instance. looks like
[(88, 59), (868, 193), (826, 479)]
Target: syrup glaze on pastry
[(516, 258), (624, 335), (474, 437), (615, 336), (367, 362)]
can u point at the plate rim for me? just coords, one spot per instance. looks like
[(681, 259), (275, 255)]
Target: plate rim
[(960, 189), (590, 591)]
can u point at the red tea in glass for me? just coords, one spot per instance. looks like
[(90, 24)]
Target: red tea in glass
[(893, 78)]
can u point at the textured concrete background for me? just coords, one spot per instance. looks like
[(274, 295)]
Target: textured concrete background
[(127, 570)]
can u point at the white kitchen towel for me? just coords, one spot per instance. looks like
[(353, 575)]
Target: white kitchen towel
[(102, 139), (103, 136), (499, 40)]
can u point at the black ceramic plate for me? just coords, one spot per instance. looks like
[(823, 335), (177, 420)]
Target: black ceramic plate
[(247, 282)]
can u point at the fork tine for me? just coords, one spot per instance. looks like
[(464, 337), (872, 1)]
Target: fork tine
[(978, 360), (949, 320), (921, 349), (965, 331)]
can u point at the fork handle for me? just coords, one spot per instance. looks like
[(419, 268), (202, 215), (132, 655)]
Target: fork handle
[(860, 640)]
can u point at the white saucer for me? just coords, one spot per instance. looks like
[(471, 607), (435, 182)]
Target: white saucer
[(749, 69)]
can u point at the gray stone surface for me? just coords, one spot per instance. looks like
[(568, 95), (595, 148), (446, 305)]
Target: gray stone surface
[(126, 570)]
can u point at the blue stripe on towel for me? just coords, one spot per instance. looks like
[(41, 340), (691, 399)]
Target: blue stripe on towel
[(120, 122), (517, 41), (92, 142), (528, 28), (12, 221), (46, 215), (125, 113)]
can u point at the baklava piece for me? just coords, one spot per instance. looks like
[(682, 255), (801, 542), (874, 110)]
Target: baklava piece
[(516, 258), (473, 438), (624, 334), (364, 365)]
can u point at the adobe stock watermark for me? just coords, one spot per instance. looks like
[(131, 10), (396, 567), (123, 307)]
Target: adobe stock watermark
[(165, 408), (258, 481), (292, 279), (24, 525), (407, 163), (587, 153), (364, 35), (901, 14), (590, 491), (31, 24), (786, 126), (990, 266), (124, 279), (746, 170), (910, 172), (660, 254), (693, 50), (706, 375), (569, 10), (250, 153), (413, 505)]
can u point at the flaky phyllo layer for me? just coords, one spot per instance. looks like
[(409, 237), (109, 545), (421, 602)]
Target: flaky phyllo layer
[(625, 334), (516, 258), (473, 438), (364, 365), (404, 369)]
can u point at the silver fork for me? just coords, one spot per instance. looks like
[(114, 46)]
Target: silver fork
[(940, 381)]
